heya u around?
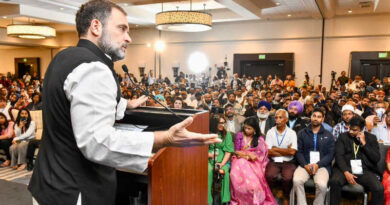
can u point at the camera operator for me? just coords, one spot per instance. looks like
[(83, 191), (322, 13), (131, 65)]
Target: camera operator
[(221, 73), (343, 78)]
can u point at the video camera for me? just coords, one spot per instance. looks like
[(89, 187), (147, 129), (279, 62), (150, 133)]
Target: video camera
[(333, 73)]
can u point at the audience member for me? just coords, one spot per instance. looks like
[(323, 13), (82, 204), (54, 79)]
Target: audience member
[(223, 151), (343, 126), (357, 155), (248, 183), (24, 132), (282, 146), (7, 134), (263, 117), (295, 121), (314, 156), (233, 121)]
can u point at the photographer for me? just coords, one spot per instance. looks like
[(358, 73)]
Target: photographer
[(343, 79), (24, 132), (221, 73)]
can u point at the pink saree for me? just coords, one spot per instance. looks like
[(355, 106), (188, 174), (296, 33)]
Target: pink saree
[(248, 184)]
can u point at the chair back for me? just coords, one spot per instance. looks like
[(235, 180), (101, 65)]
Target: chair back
[(382, 162)]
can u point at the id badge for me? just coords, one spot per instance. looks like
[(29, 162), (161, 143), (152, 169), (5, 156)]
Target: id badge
[(278, 159), (356, 166), (314, 157)]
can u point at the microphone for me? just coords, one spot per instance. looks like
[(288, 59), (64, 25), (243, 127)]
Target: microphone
[(126, 70)]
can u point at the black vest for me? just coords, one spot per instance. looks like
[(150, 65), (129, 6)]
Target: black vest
[(61, 171)]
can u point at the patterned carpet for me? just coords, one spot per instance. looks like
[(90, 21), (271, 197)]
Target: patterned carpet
[(9, 174)]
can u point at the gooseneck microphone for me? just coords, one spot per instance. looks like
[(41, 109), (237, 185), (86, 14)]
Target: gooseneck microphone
[(124, 68)]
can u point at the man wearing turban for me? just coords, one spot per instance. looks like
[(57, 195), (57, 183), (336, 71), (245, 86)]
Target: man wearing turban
[(295, 122), (263, 117)]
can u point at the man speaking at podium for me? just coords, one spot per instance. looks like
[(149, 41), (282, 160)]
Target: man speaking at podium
[(80, 145)]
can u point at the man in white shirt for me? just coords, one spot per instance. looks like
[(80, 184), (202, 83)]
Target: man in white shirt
[(282, 146), (81, 147), (233, 121)]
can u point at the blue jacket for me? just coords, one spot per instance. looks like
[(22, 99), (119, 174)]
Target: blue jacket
[(325, 145)]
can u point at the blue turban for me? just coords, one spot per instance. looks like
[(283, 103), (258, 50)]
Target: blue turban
[(159, 97), (297, 104), (264, 103)]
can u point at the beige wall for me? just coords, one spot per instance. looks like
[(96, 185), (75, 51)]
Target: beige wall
[(301, 37), (7, 58)]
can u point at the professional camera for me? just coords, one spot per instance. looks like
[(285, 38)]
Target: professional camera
[(333, 74), (216, 110)]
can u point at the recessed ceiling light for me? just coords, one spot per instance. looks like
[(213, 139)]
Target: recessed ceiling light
[(277, 4), (289, 15), (61, 8), (4, 17), (350, 11), (126, 4)]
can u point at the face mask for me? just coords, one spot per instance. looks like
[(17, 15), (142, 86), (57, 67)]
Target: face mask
[(262, 115), (380, 112)]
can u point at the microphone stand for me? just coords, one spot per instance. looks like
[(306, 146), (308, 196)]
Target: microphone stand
[(149, 95)]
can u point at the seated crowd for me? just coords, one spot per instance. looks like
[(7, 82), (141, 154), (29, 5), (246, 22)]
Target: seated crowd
[(17, 139), (273, 132)]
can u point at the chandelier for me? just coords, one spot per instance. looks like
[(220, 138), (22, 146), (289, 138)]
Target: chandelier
[(31, 31), (184, 21)]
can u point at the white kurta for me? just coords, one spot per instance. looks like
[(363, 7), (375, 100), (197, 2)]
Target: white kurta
[(91, 90)]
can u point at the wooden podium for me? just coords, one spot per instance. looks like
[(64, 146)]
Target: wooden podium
[(174, 175)]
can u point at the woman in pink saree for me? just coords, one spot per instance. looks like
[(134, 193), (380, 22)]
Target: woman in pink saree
[(248, 184)]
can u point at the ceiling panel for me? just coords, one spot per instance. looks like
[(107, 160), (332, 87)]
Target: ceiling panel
[(142, 12)]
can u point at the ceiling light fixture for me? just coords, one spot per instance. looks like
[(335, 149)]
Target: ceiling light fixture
[(350, 11), (61, 9), (30, 31), (277, 4), (289, 15), (183, 21)]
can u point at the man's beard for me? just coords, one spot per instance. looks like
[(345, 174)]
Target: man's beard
[(292, 116), (262, 115), (110, 49), (315, 124)]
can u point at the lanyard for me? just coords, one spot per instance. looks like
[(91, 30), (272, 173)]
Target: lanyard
[(292, 123), (355, 149), (277, 137), (315, 142)]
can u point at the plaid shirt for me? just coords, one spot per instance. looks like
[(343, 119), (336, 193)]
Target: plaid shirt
[(338, 129)]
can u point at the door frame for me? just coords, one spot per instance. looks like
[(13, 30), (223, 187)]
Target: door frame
[(288, 58), (357, 56)]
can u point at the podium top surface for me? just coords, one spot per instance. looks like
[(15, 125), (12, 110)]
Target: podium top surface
[(157, 118)]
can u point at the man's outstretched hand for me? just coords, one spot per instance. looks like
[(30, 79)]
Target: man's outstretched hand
[(179, 136), (131, 104)]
